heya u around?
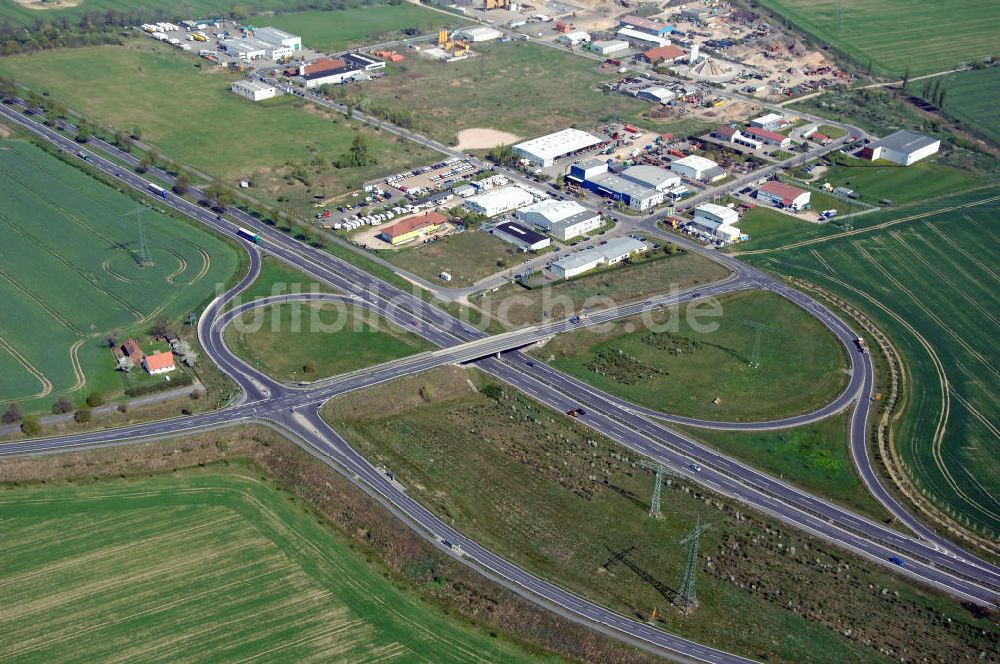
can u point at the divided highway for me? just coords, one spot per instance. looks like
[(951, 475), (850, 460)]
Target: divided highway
[(295, 409)]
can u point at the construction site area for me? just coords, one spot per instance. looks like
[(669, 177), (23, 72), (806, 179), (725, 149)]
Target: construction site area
[(741, 51)]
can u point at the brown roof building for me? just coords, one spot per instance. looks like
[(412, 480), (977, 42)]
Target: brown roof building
[(413, 227), (131, 349), (664, 54)]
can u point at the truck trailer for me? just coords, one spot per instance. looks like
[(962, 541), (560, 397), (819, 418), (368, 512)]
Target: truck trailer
[(248, 235)]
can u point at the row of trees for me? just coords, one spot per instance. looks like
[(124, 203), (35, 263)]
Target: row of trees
[(934, 93)]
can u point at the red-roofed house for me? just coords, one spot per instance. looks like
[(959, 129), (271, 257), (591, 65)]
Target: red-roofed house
[(780, 194), (726, 133), (769, 137), (662, 55), (413, 227), (132, 350), (159, 363), (822, 139)]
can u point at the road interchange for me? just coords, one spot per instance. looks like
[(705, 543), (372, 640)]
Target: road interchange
[(295, 410)]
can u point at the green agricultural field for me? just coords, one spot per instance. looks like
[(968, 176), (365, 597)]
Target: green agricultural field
[(972, 98), (768, 227), (815, 457), (920, 37), (932, 284), (515, 305), (343, 29), (467, 257), (69, 275), (215, 564), (682, 370), (29, 11), (446, 98), (562, 500), (183, 106), (874, 181), (328, 339)]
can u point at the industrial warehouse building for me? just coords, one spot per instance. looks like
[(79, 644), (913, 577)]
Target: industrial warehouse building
[(717, 214), (574, 38), (362, 61), (658, 94), (717, 220), (733, 135), (279, 38), (782, 195), (329, 71), (697, 168), (903, 148), (412, 228), (326, 71), (653, 177), (563, 220), (639, 187), (615, 251), (478, 34), (248, 49), (254, 90), (609, 47), (770, 121), (666, 55), (519, 236), (498, 201), (768, 137), (544, 150), (642, 39), (647, 25)]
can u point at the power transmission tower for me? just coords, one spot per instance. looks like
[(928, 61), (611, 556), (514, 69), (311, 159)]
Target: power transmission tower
[(143, 258), (686, 594), (661, 472), (759, 330)]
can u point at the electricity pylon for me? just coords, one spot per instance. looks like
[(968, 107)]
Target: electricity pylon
[(686, 594), (759, 330), (661, 472), (143, 258)]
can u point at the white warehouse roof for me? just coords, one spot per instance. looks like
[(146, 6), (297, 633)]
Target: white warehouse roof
[(504, 199), (478, 33), (717, 213), (696, 162), (770, 118), (553, 146), (553, 210)]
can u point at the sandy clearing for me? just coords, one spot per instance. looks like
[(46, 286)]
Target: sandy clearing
[(479, 138), (4, 131)]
